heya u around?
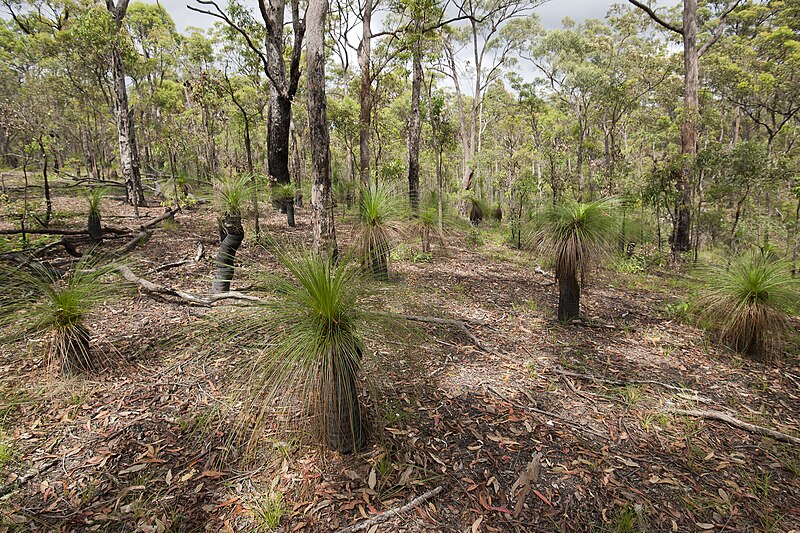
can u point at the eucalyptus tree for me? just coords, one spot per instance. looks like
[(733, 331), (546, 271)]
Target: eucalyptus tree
[(283, 80), (687, 29), (322, 221), (490, 49)]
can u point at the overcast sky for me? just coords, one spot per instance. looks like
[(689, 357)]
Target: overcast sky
[(551, 12)]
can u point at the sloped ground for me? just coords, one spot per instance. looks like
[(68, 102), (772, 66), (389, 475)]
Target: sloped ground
[(509, 416)]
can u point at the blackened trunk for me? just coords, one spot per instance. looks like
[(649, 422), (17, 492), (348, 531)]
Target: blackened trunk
[(414, 133), (48, 202), (234, 235), (279, 121), (569, 297), (94, 226), (71, 345)]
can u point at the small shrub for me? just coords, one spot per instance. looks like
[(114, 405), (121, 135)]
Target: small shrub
[(474, 237), (749, 303)]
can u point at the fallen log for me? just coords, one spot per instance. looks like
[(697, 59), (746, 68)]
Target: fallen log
[(194, 299)]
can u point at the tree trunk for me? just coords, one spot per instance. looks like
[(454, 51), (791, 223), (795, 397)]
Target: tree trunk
[(343, 421), (233, 232), (569, 297), (322, 222), (48, 202), (365, 112), (128, 154), (796, 241), (94, 227), (414, 131)]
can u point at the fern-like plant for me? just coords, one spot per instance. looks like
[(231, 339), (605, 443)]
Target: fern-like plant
[(37, 300), (575, 235), (376, 229), (749, 303)]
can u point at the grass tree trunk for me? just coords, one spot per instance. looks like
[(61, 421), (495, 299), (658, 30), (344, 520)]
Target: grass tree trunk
[(569, 297), (71, 346), (94, 226), (343, 425), (322, 221), (232, 232)]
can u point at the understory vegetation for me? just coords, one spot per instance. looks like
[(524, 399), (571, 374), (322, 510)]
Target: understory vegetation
[(423, 266)]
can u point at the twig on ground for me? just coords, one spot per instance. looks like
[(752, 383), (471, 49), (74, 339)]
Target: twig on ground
[(388, 515), (735, 422), (545, 413), (624, 382), (25, 477)]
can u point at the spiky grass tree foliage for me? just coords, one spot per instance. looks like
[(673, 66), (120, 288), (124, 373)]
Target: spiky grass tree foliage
[(283, 196), (376, 229), (314, 349), (94, 225), (749, 304), (575, 235), (230, 196), (36, 300), (426, 225)]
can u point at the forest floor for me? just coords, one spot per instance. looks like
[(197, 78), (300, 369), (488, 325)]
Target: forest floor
[(525, 423)]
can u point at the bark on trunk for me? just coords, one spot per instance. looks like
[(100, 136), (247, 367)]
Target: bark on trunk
[(414, 132), (128, 153), (569, 297), (322, 221), (233, 236), (365, 112)]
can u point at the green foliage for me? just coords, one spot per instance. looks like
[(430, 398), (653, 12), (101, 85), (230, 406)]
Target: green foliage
[(632, 264), (304, 344), (267, 512), (575, 234), (474, 237), (41, 301), (377, 228), (283, 192), (749, 303), (231, 193), (94, 197)]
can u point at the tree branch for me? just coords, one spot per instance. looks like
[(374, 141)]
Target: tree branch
[(718, 31), (652, 14)]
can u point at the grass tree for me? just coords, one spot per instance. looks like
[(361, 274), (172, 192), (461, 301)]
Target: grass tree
[(311, 345), (230, 194), (36, 300), (574, 235), (283, 195), (94, 224), (376, 229), (426, 225), (749, 304)]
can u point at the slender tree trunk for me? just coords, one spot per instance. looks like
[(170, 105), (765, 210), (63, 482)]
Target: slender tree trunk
[(796, 239), (128, 153), (365, 112), (414, 131), (47, 200), (322, 221)]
